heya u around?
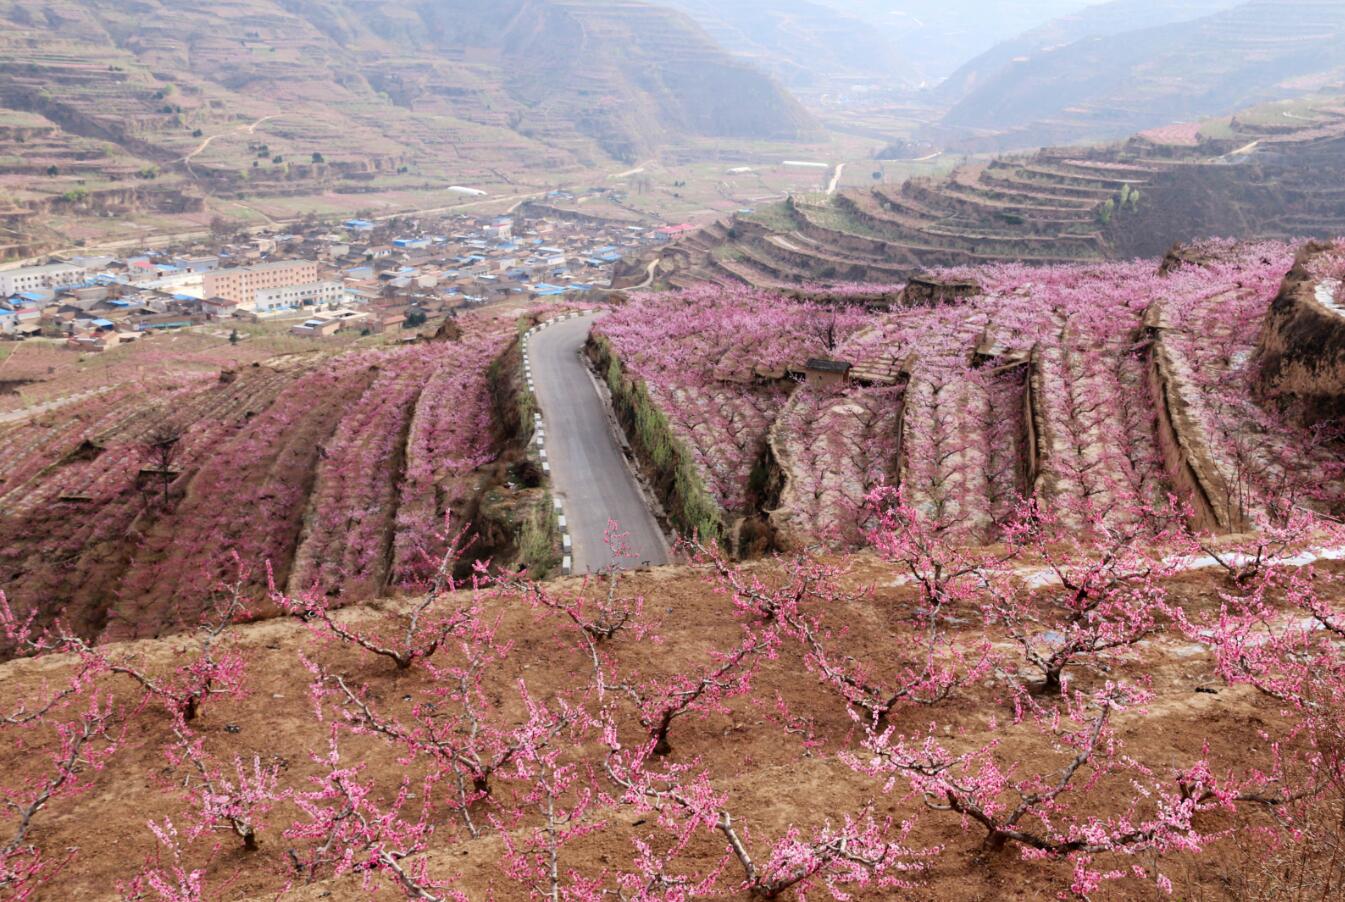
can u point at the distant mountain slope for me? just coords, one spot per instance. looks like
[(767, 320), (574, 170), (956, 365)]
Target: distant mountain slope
[(1105, 83), (810, 45), (110, 107), (627, 75), (938, 36), (630, 75), (1103, 20), (815, 46)]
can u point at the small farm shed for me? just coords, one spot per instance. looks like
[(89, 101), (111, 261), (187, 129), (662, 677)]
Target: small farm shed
[(822, 372)]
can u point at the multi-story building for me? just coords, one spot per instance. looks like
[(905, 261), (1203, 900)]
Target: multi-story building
[(241, 284), (33, 278), (271, 299)]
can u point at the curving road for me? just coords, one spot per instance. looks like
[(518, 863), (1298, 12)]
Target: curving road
[(589, 472)]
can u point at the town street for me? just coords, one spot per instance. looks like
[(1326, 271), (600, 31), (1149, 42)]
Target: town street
[(589, 473)]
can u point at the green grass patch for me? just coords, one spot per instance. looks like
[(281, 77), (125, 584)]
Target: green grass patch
[(689, 505), (1218, 130), (539, 545), (776, 217)]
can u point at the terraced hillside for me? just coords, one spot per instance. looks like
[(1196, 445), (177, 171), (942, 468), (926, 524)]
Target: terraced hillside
[(1096, 391), (1098, 704), (1302, 348), (156, 105), (128, 497), (1273, 172)]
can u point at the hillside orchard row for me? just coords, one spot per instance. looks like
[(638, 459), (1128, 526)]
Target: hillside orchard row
[(338, 470), (1042, 682), (1041, 386), (1069, 715)]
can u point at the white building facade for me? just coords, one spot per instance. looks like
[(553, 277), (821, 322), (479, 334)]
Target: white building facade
[(34, 278), (269, 300)]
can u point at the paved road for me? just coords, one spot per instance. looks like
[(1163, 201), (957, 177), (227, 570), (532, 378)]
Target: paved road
[(589, 473)]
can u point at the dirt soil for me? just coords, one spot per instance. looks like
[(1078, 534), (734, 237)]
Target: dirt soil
[(770, 778)]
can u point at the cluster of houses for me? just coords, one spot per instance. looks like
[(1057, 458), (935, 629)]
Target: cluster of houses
[(477, 260), (97, 303), (361, 275)]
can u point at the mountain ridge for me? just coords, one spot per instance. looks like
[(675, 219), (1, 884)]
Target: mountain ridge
[(161, 105), (1103, 83)]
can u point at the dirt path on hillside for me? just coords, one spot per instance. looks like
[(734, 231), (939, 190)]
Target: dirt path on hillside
[(28, 413), (836, 178), (204, 145)]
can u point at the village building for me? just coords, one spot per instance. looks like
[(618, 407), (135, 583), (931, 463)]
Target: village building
[(199, 264), (272, 300), (820, 372), (242, 283), (34, 278), (329, 322), (18, 320), (219, 307)]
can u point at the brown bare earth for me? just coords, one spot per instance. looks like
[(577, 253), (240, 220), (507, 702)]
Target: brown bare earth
[(770, 779)]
